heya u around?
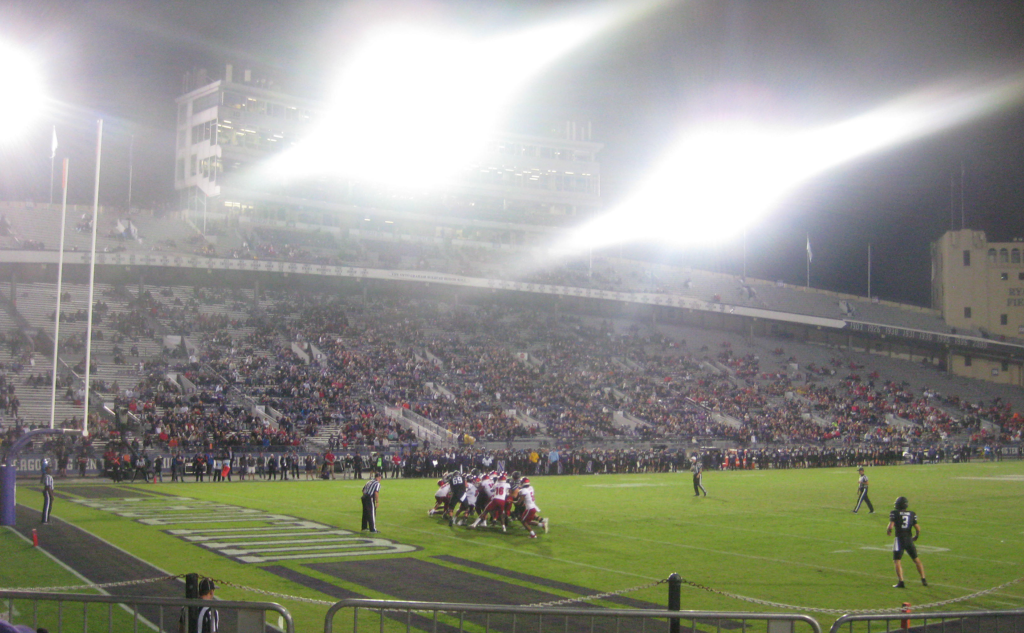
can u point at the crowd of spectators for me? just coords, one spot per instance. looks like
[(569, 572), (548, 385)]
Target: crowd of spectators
[(329, 370), (482, 374)]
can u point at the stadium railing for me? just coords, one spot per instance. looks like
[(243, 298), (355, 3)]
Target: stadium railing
[(436, 616), (155, 614), (938, 621)]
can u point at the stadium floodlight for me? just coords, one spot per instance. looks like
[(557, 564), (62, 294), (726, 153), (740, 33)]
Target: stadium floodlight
[(415, 106), (721, 178), (25, 94)]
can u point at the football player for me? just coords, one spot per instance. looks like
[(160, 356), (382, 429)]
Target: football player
[(904, 522), (458, 495), (440, 497), (530, 510), (496, 507)]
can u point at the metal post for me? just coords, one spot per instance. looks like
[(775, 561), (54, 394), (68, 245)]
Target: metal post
[(192, 593), (60, 281), (92, 275), (675, 584)]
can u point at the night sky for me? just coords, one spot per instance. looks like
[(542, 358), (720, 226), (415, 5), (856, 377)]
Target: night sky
[(807, 61)]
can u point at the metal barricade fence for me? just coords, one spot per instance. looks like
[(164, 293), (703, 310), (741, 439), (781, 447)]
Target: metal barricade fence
[(448, 617), (937, 622), (159, 614)]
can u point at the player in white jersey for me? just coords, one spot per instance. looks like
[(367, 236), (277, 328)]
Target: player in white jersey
[(440, 497), (530, 510), (496, 508)]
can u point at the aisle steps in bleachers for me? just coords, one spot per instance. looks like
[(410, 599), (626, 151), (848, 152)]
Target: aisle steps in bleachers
[(624, 420)]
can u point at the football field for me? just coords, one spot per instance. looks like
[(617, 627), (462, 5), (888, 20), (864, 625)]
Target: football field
[(785, 536)]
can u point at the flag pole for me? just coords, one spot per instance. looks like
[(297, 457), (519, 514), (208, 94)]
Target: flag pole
[(60, 279), (92, 273), (131, 164), (53, 154), (744, 254), (869, 270), (809, 260)]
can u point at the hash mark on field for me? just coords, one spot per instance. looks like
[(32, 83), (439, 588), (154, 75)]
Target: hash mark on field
[(843, 551), (995, 478), (927, 549), (623, 485)]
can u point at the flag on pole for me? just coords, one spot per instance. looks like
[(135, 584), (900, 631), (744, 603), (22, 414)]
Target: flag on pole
[(53, 144), (810, 255)]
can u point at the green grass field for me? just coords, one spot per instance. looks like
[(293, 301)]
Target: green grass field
[(784, 536)]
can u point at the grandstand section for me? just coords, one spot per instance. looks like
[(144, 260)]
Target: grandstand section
[(300, 340)]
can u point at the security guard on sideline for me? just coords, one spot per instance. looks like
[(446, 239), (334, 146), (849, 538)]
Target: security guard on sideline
[(47, 494), (862, 492), (371, 499)]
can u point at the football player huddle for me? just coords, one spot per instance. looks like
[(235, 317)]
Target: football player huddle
[(477, 497)]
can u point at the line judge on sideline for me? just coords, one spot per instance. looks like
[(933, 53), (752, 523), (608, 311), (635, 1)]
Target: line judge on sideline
[(371, 499)]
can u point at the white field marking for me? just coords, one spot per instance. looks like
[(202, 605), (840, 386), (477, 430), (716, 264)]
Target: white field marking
[(623, 485), (226, 537), (282, 542), (382, 546), (765, 558), (394, 549), (830, 522), (792, 536), (85, 580), (1018, 478), (842, 551), (927, 549), (285, 525), (522, 552), (934, 550), (454, 537), (250, 518), (942, 519), (362, 543)]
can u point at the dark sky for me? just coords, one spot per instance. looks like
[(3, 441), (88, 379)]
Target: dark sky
[(813, 62)]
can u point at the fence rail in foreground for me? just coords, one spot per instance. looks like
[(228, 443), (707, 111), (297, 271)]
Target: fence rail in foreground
[(937, 622), (160, 614), (510, 619)]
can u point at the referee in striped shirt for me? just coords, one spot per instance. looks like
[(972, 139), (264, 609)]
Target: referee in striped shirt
[(371, 499), (47, 494)]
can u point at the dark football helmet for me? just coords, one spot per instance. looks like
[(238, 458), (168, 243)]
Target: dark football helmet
[(901, 503)]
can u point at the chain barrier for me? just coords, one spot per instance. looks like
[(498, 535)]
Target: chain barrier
[(105, 585), (597, 596), (552, 603), (894, 610), (227, 583)]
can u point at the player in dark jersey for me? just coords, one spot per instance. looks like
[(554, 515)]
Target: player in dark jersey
[(458, 484), (904, 522)]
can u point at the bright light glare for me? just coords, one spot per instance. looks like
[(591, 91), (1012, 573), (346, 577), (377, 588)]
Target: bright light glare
[(415, 106), (24, 93), (718, 181)]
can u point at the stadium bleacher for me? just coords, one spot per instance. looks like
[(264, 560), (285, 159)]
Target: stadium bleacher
[(477, 374)]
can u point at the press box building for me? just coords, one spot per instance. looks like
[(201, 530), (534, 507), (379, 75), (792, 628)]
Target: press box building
[(225, 127)]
